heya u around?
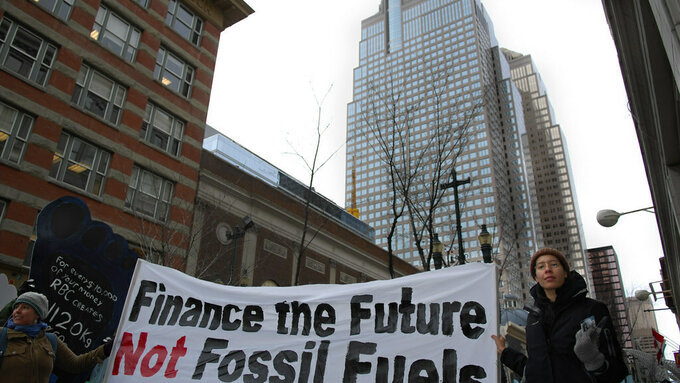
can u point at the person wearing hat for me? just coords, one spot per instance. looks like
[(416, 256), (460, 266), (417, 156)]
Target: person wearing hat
[(570, 338), (29, 356)]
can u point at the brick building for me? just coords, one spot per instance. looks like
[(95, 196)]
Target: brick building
[(106, 101), (237, 190)]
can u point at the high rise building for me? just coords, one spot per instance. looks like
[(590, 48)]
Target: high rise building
[(607, 287), (642, 321), (106, 101), (432, 79), (555, 208)]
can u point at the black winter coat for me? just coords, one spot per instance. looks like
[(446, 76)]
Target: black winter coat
[(550, 334)]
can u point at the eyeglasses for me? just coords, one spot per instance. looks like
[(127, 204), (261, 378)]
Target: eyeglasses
[(552, 265)]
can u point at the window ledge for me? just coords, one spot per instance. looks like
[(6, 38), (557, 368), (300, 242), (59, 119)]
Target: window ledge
[(74, 189), (97, 117), (144, 217)]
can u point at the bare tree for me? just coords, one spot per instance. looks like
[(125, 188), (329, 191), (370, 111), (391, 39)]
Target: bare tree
[(313, 166), (165, 241), (389, 118), (449, 134), (415, 167)]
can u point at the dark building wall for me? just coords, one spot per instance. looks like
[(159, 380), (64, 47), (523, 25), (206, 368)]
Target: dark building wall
[(268, 250)]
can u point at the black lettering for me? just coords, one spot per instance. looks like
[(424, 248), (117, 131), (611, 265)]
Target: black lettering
[(406, 308), (207, 356), (358, 313), (321, 357), (466, 318), (324, 314), (171, 303), (420, 366), (471, 371), (257, 368), (448, 309), (284, 369), (227, 324), (282, 311), (306, 362), (251, 315), (382, 369), (450, 366), (431, 326), (298, 310), (190, 317), (158, 305), (391, 326), (214, 311), (239, 359), (399, 368), (141, 299), (353, 366)]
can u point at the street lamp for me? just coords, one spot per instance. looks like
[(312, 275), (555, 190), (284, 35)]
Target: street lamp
[(485, 240), (608, 217), (234, 235), (643, 295), (437, 247)]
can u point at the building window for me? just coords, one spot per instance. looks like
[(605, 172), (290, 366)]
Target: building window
[(173, 72), (59, 8), (99, 94), (184, 22), (142, 3), (3, 208), (24, 53), (115, 33), (162, 129), (80, 164), (149, 194), (15, 127)]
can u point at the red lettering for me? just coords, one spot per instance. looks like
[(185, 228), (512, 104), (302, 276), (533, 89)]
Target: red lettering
[(177, 352), (131, 355), (149, 365), (160, 352)]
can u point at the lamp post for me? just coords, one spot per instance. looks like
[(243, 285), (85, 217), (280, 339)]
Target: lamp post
[(454, 184), (485, 241), (234, 235), (643, 295), (609, 218), (437, 247)]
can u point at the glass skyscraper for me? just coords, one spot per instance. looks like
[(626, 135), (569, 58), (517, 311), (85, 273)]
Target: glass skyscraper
[(555, 205), (433, 92)]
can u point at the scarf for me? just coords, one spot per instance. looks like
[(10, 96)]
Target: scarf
[(30, 330)]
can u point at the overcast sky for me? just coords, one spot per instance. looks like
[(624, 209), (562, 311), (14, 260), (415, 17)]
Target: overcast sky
[(275, 67)]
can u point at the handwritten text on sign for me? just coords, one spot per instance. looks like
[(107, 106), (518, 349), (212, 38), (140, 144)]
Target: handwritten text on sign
[(81, 301), (425, 327)]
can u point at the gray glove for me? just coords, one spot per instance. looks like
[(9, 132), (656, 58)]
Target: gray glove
[(586, 347)]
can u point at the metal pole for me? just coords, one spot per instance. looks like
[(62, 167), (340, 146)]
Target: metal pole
[(454, 184), (235, 236), (461, 251)]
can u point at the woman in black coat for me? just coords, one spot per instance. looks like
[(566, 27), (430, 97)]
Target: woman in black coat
[(570, 338)]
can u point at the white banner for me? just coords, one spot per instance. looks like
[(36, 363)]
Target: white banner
[(434, 326)]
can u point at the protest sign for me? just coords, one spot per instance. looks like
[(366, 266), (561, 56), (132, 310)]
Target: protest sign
[(433, 326), (84, 269)]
